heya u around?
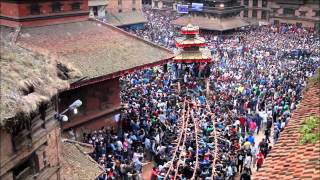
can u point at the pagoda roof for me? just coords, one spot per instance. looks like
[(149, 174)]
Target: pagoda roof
[(216, 24), (126, 18), (188, 42), (97, 50), (190, 29), (203, 55)]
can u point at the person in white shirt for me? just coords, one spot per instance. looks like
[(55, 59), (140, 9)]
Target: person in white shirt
[(247, 162)]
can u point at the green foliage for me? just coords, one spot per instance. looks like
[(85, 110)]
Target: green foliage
[(310, 130)]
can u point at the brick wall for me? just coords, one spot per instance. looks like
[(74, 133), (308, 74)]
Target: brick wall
[(126, 5), (14, 14)]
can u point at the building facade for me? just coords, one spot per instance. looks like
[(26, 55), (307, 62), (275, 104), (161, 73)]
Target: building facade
[(29, 12), (126, 13), (32, 152), (222, 15), (98, 8), (304, 13)]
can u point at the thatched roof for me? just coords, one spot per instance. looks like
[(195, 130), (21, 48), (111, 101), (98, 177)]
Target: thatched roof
[(27, 79)]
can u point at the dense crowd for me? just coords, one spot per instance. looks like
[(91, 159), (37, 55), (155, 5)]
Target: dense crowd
[(158, 28), (256, 81)]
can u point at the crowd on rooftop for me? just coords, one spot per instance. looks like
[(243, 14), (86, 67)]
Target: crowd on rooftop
[(256, 80)]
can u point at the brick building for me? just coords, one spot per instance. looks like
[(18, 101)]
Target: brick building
[(30, 136), (222, 15), (25, 13), (91, 56), (98, 8), (126, 13), (304, 13)]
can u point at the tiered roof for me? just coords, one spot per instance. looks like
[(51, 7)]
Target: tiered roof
[(192, 47)]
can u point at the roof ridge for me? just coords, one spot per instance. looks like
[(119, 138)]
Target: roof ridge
[(132, 35)]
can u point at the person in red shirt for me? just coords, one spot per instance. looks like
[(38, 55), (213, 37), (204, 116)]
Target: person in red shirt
[(242, 121), (260, 159), (154, 175)]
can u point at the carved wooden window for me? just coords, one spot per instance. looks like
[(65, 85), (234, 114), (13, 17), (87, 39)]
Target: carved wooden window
[(75, 6), (288, 11), (56, 7), (34, 9)]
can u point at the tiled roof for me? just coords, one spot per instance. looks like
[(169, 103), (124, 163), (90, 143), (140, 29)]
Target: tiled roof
[(202, 54), (187, 41), (76, 164), (289, 159), (126, 18), (212, 23), (94, 48)]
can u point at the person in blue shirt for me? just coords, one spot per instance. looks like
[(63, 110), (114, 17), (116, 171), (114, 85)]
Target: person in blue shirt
[(251, 139), (202, 100)]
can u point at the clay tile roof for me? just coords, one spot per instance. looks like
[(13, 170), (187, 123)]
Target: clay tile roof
[(212, 23), (94, 48), (126, 18), (289, 159), (23, 86), (76, 164), (186, 41)]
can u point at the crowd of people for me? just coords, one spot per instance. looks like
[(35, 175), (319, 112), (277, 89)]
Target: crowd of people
[(256, 80), (158, 28)]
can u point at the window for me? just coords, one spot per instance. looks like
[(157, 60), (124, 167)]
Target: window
[(299, 25), (34, 9), (134, 9), (264, 15), (303, 13), (133, 2), (245, 13), (254, 13), (120, 10), (276, 22), (264, 3), (246, 2), (75, 6), (317, 13), (25, 169), (119, 2), (287, 11), (56, 7), (255, 3)]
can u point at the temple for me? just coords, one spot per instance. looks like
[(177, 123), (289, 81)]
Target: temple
[(191, 47), (213, 15)]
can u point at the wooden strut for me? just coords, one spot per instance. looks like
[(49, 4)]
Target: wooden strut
[(180, 137), (188, 120)]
